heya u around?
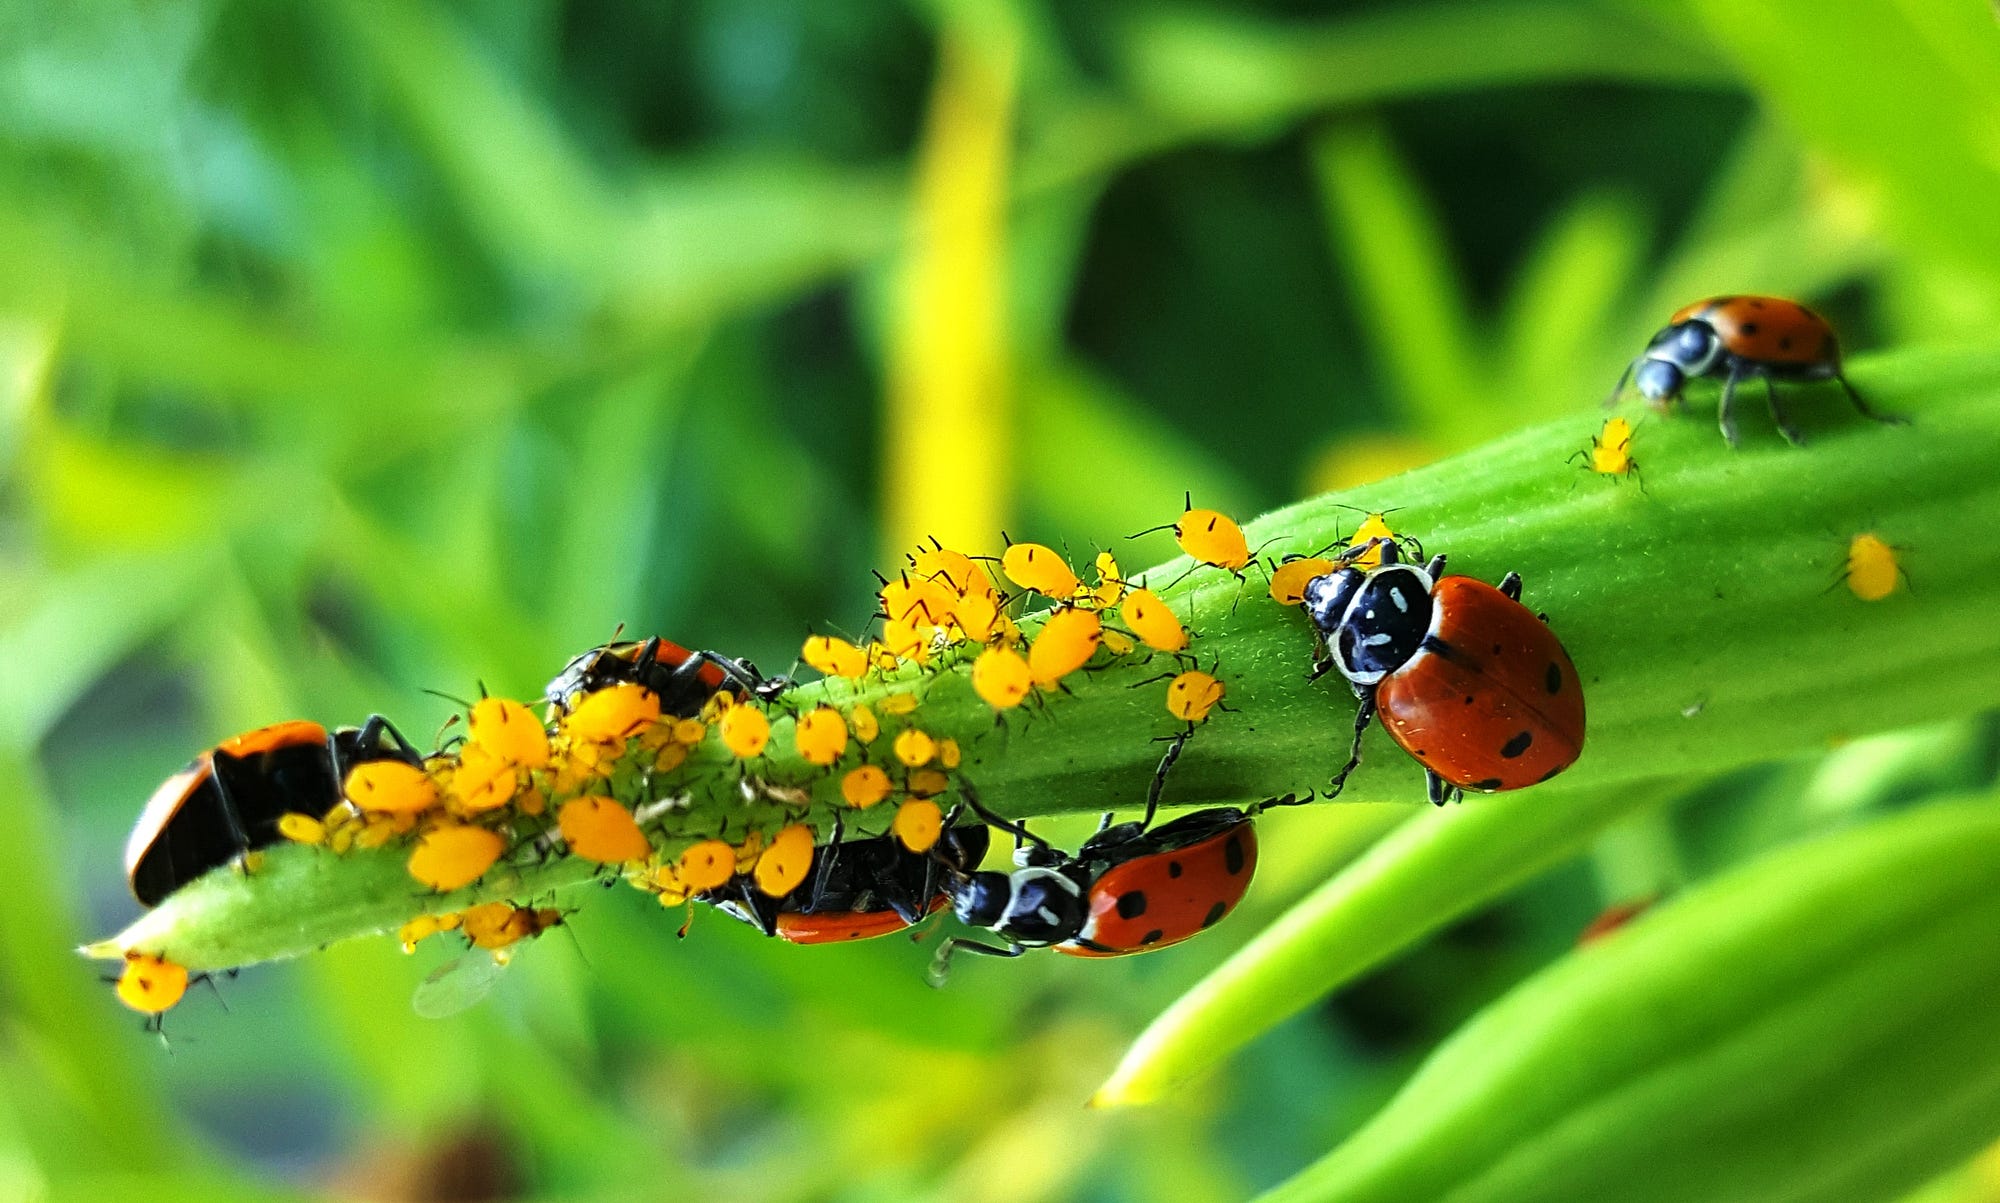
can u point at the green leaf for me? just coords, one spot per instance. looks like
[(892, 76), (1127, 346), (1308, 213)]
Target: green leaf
[(1782, 1032)]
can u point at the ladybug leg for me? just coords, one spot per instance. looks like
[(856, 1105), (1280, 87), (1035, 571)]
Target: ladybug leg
[(1159, 784), (1779, 416), (1726, 412), (1435, 569), (1862, 407), (831, 855), (940, 969), (758, 906), (1362, 716), (373, 729), (1511, 585), (1437, 789), (1021, 834)]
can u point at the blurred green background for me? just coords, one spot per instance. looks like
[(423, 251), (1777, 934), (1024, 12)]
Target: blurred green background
[(357, 350)]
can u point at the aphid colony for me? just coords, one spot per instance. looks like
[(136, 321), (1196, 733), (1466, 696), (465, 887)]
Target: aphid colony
[(596, 776)]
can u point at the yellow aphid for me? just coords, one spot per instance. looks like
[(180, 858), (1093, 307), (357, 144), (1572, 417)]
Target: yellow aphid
[(423, 927), (378, 830), (1110, 582), (1872, 569), (251, 863), (1610, 451), (918, 824), (669, 758), (1289, 581), (613, 714), (340, 840), (749, 850), (865, 786), (483, 781), (786, 862), (834, 657), (955, 570), (531, 802), (1001, 678), (1064, 644), (861, 720), (151, 984), (1118, 642), (1153, 621), (498, 925), (706, 866), (302, 829), (880, 656), (1192, 695), (947, 753), (600, 829), (979, 617), (665, 881), (455, 855), (509, 731), (915, 748), (927, 783), (690, 731), (392, 787), (1373, 527), (1212, 538), (745, 731), (1033, 566), (906, 641), (899, 703), (922, 603), (821, 735)]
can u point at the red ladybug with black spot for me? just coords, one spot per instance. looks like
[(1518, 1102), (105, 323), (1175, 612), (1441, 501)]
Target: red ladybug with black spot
[(1742, 338), (858, 889), (1469, 682), (1130, 888), (228, 800), (684, 680)]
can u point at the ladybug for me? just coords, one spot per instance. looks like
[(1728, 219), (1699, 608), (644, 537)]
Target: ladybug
[(859, 889), (1742, 338), (1468, 680), (1130, 888), (228, 800), (682, 679)]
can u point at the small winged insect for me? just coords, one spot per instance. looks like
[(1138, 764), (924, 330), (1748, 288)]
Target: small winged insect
[(492, 930)]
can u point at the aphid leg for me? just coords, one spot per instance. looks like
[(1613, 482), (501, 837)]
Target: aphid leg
[(1778, 415), (1362, 716), (940, 970), (1862, 407), (1725, 414), (1624, 378), (1511, 585)]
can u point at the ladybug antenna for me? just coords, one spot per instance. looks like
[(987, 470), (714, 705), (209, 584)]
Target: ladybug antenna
[(1017, 830)]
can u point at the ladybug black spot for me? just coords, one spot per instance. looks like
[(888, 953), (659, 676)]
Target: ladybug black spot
[(1232, 855), (1174, 868), (1517, 745), (1749, 329), (1469, 699), (1215, 914), (1487, 786), (1553, 679), (1496, 649), (1756, 304), (1785, 343), (1132, 904), (1152, 937)]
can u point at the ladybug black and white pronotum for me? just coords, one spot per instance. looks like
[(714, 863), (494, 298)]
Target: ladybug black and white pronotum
[(683, 680), (228, 800), (1742, 338), (1130, 888), (1469, 681), (858, 889)]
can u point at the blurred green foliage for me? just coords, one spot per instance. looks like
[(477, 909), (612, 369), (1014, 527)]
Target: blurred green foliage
[(354, 350)]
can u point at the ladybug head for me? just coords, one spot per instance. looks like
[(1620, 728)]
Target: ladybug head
[(1659, 380), (1326, 597), (980, 899), (1676, 353)]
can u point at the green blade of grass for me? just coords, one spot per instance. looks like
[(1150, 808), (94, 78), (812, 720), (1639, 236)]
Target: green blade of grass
[(1782, 1032), (1704, 614)]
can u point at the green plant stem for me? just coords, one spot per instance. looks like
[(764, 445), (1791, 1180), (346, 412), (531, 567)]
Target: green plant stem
[(1705, 614)]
